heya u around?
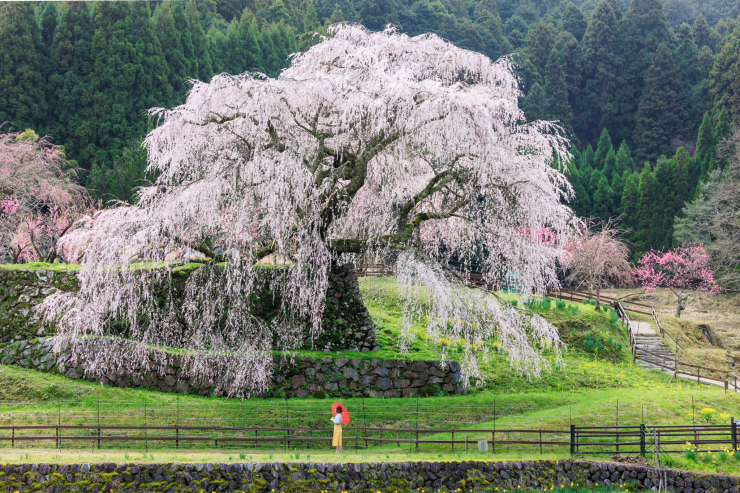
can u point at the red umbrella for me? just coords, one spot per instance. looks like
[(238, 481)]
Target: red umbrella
[(345, 412)]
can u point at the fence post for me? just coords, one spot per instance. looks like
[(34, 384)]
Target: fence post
[(493, 435), (733, 423), (364, 421), (572, 439), (642, 440), (12, 440), (417, 422), (146, 431), (98, 420), (453, 441)]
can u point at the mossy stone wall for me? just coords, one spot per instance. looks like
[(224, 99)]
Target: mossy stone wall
[(309, 477), (347, 324)]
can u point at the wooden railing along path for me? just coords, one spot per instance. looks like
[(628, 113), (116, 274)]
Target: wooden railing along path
[(679, 368)]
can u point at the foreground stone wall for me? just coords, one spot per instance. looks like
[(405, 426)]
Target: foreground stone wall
[(347, 324), (356, 477), (314, 377)]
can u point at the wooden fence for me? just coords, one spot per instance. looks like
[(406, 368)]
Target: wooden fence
[(729, 380), (580, 440)]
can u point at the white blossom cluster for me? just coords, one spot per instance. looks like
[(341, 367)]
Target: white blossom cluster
[(373, 144)]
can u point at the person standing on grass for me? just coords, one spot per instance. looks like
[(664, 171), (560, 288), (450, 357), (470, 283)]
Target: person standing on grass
[(337, 420)]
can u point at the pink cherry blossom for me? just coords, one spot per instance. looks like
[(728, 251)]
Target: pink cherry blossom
[(599, 258), (373, 145), (683, 270)]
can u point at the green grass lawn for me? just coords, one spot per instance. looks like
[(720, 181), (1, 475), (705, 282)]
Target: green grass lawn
[(598, 385)]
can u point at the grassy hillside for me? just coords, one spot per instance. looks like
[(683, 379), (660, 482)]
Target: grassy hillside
[(598, 385)]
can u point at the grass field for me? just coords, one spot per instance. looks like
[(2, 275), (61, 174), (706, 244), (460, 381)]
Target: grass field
[(598, 385)]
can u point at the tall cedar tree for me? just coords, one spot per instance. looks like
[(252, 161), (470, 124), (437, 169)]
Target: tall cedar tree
[(602, 149), (703, 34), (170, 39), (22, 97), (725, 89), (491, 30), (644, 27), (646, 228), (72, 120), (704, 151), (600, 63), (539, 44), (624, 158), (556, 90), (628, 202), (573, 21), (201, 53), (661, 115), (242, 51), (129, 77)]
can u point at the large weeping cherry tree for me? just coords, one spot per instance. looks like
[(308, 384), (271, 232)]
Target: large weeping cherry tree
[(372, 144)]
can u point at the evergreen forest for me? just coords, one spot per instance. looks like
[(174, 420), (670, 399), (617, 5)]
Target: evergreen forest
[(647, 90)]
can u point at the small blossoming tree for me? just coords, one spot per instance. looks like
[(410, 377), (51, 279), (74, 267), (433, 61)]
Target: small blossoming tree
[(599, 258), (369, 144), (684, 270), (39, 199)]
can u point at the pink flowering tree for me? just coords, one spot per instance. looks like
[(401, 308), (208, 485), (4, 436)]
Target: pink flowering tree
[(369, 144), (39, 199), (599, 258), (684, 270)]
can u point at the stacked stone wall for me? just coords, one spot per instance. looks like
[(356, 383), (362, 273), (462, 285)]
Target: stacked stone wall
[(301, 377), (346, 324), (317, 477)]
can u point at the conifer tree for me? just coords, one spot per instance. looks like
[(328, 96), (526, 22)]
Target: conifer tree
[(201, 53), (243, 50), (600, 64), (489, 26), (661, 115), (216, 42), (534, 104), (277, 42), (704, 151), (617, 184), (539, 44), (129, 76), (588, 158), (628, 203), (603, 203), (170, 40), (646, 228), (610, 163), (556, 91), (310, 19), (724, 75), (602, 149), (336, 16), (22, 99), (724, 125), (593, 184), (184, 28), (573, 21), (702, 34), (624, 158), (71, 120), (644, 28)]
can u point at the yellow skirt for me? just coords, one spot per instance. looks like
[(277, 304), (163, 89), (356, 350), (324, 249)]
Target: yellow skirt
[(337, 440)]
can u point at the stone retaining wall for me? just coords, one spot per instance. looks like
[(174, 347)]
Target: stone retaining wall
[(346, 324), (314, 377), (356, 477)]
